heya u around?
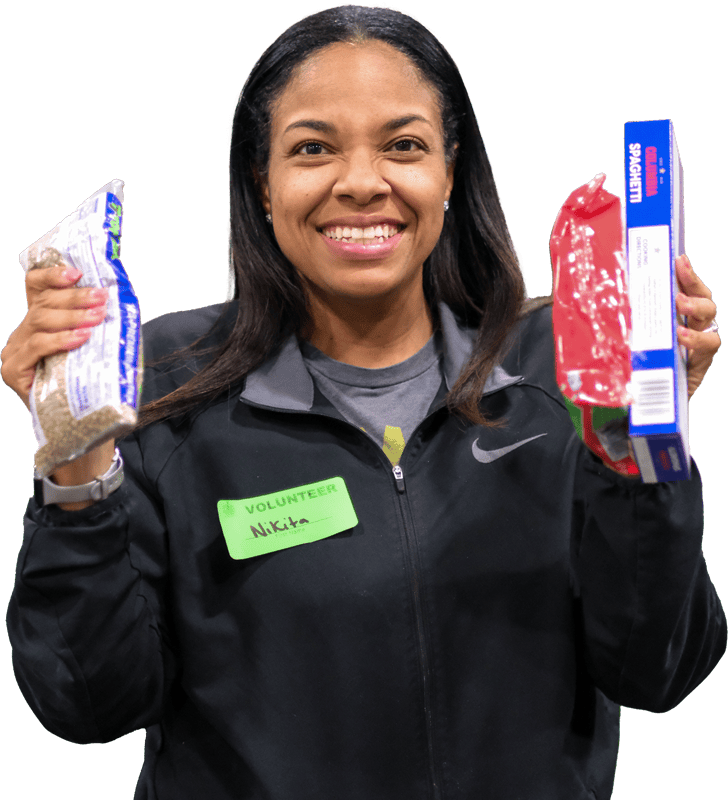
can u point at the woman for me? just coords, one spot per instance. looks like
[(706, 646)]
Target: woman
[(483, 594)]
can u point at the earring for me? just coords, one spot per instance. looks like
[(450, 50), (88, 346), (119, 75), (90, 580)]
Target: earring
[(447, 205), (268, 219)]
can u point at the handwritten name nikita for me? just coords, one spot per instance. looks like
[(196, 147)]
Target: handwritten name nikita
[(281, 525)]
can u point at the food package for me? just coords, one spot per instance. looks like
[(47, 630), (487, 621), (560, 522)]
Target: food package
[(655, 237), (618, 362), (84, 396), (591, 320)]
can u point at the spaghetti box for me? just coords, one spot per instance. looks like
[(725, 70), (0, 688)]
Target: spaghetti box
[(658, 424)]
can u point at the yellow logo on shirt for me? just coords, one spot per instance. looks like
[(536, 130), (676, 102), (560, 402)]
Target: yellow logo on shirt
[(393, 444)]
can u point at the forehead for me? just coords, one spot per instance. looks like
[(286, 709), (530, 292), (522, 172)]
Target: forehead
[(369, 79)]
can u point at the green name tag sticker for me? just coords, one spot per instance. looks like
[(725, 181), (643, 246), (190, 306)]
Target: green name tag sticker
[(258, 525)]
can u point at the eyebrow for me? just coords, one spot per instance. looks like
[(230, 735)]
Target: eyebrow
[(325, 127)]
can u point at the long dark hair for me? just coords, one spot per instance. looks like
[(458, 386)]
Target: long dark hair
[(473, 267)]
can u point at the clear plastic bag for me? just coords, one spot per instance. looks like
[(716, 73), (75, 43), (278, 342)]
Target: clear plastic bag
[(87, 395), (592, 320)]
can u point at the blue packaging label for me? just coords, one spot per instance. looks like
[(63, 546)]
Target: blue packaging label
[(655, 236), (130, 328)]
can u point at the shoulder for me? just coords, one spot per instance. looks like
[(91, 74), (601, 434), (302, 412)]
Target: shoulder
[(177, 345), (531, 353), (177, 331)]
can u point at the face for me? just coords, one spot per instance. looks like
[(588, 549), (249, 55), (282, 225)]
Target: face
[(357, 176)]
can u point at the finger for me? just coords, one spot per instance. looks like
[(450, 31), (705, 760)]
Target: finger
[(69, 298), (26, 355), (50, 320), (700, 311), (699, 343), (701, 347), (18, 363), (57, 277), (25, 351), (39, 322), (688, 279), (52, 287), (43, 344)]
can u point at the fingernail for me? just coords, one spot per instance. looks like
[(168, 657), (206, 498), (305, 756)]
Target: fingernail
[(98, 295), (79, 335), (95, 314), (72, 274)]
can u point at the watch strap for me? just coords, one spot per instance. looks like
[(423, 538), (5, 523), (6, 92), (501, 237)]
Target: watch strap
[(47, 492)]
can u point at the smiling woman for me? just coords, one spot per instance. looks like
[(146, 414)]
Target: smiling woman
[(467, 261), (359, 551), (470, 264)]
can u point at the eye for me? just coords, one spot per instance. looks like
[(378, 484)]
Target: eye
[(312, 149), (407, 146)]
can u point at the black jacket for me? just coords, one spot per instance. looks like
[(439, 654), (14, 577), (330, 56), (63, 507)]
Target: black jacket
[(471, 637)]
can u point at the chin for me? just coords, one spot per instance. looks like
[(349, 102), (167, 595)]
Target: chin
[(371, 287)]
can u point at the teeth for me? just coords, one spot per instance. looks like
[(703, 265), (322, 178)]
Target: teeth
[(378, 233)]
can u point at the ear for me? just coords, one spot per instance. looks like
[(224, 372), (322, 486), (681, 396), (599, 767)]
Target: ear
[(261, 181), (450, 166)]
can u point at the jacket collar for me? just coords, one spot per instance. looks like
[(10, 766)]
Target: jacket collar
[(284, 383)]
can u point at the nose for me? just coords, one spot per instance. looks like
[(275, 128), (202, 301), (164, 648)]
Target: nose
[(360, 179)]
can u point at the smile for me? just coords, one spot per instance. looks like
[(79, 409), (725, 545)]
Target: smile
[(374, 234), (374, 242)]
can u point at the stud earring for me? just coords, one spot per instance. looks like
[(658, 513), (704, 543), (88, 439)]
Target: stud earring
[(268, 218), (447, 205)]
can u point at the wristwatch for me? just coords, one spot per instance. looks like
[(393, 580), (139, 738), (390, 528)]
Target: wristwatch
[(47, 492)]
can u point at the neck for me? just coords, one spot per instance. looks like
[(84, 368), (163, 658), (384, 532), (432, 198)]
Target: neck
[(371, 334)]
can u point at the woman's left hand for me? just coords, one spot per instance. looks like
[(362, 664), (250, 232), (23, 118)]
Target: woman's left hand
[(696, 303)]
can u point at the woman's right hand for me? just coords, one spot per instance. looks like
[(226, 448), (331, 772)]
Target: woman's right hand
[(60, 317)]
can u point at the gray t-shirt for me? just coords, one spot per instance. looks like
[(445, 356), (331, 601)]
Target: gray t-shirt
[(387, 403)]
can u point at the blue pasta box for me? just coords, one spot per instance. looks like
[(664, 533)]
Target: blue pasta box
[(658, 424)]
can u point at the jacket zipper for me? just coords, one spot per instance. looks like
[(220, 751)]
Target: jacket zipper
[(419, 626), (413, 564)]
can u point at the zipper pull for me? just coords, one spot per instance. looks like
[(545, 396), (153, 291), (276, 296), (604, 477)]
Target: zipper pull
[(399, 478)]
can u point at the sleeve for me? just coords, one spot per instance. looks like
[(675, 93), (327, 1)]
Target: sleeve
[(90, 650), (652, 622), (86, 621)]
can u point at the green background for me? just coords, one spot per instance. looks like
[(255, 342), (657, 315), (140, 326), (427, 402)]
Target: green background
[(143, 92)]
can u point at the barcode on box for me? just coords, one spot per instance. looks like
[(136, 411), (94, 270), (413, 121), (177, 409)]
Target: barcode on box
[(654, 397)]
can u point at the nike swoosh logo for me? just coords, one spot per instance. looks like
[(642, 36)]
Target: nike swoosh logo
[(488, 456)]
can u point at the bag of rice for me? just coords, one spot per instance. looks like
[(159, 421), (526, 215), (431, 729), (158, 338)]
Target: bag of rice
[(83, 397)]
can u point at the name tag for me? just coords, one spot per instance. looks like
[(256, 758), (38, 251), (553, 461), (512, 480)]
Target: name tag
[(258, 525)]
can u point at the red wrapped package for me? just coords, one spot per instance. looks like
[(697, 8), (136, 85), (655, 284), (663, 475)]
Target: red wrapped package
[(591, 320)]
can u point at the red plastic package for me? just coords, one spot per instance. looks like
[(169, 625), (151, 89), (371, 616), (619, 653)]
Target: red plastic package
[(591, 320)]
